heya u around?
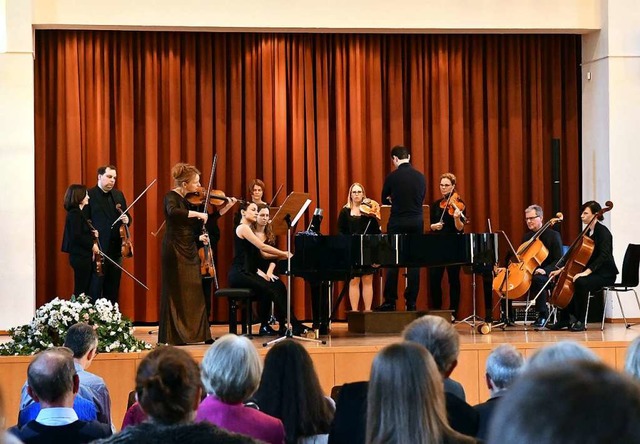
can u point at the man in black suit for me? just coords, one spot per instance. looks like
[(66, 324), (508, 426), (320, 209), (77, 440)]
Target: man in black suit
[(104, 201)]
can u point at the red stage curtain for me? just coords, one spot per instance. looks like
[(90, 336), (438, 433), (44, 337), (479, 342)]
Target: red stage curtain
[(282, 106)]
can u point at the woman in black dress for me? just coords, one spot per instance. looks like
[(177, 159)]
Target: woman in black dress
[(352, 221), (78, 238), (183, 317)]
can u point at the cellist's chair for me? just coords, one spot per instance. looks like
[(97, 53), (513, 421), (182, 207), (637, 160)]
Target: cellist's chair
[(629, 279)]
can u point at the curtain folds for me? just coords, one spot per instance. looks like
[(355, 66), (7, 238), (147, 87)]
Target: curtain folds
[(314, 112)]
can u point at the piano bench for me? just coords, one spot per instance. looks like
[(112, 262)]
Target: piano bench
[(239, 298)]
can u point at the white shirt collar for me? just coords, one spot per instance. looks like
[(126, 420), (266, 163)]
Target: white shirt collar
[(57, 416)]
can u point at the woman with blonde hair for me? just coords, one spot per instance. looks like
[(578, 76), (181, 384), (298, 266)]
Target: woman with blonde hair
[(410, 408), (183, 317), (352, 220)]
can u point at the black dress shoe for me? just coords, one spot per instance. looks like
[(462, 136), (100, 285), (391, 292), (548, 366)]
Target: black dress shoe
[(488, 319), (209, 341), (387, 306), (266, 330), (540, 321), (411, 307), (299, 329), (559, 325), (577, 326)]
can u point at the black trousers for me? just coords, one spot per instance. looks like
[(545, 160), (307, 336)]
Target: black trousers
[(108, 286), (435, 287), (413, 274), (82, 268), (582, 287)]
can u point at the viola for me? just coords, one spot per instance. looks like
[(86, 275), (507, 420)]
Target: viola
[(454, 202), (575, 259), (370, 207), (515, 280), (126, 247), (216, 197), (100, 259)]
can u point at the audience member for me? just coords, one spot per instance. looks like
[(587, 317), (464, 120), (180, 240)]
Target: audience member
[(348, 426), (576, 402), (168, 389), (441, 339), (632, 363), (290, 391), (559, 353), (502, 368), (134, 416), (82, 340), (230, 372), (408, 408), (53, 383), (85, 409)]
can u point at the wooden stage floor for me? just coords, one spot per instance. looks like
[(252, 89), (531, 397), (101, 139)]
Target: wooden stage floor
[(345, 358)]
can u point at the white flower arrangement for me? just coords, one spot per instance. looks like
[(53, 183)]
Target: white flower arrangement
[(52, 320)]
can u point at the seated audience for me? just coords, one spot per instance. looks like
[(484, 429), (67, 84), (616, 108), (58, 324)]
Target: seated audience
[(558, 354), (290, 391), (82, 339), (572, 403), (230, 372), (86, 410), (168, 389), (407, 408), (53, 383), (502, 368), (632, 363)]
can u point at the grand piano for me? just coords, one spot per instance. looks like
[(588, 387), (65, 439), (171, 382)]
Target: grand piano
[(320, 258)]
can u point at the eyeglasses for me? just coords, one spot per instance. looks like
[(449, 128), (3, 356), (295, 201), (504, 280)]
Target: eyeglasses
[(531, 218)]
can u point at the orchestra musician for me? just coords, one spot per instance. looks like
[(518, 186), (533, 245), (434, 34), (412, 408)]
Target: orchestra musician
[(79, 239), (599, 272), (352, 221), (244, 271), (446, 217), (102, 211), (405, 189), (183, 319), (256, 191)]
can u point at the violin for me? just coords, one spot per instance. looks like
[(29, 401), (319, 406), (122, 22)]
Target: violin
[(454, 202), (370, 207), (515, 280), (216, 197), (126, 248), (100, 259), (576, 261)]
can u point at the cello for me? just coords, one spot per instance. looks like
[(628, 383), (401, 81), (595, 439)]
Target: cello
[(514, 280), (575, 261)]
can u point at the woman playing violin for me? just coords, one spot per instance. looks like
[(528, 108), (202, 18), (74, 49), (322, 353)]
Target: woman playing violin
[(79, 240), (446, 217), (183, 318), (354, 219), (599, 272)]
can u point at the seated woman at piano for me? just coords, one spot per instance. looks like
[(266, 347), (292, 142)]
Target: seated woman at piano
[(248, 249), (353, 219), (446, 217)]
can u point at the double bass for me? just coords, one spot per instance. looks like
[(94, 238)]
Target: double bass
[(515, 280), (575, 261)]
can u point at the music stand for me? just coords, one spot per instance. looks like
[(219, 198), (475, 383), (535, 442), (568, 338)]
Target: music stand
[(285, 219)]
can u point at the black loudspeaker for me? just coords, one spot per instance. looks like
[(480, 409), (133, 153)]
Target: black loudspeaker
[(555, 175)]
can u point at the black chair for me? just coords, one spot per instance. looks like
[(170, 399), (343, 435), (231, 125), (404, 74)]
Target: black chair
[(239, 298), (629, 279)]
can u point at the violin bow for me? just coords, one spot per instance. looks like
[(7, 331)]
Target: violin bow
[(134, 202), (102, 253), (276, 195), (447, 205), (206, 210)]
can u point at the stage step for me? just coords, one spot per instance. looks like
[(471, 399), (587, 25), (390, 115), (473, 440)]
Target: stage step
[(387, 321)]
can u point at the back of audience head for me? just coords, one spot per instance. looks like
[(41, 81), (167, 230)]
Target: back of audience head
[(439, 337), (503, 367), (168, 385), (290, 390), (80, 339), (578, 402), (406, 397), (632, 363), (52, 377), (231, 368), (559, 354)]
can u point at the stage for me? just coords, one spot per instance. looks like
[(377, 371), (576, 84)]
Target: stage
[(346, 357)]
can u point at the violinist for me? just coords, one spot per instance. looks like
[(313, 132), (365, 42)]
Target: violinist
[(446, 217), (79, 240), (599, 272), (352, 220), (183, 318), (103, 211), (405, 189)]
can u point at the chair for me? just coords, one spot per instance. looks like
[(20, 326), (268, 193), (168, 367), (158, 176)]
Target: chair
[(629, 279), (239, 298)]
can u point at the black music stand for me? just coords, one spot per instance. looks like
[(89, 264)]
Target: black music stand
[(285, 219)]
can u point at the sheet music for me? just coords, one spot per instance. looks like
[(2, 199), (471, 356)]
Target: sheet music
[(301, 212)]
